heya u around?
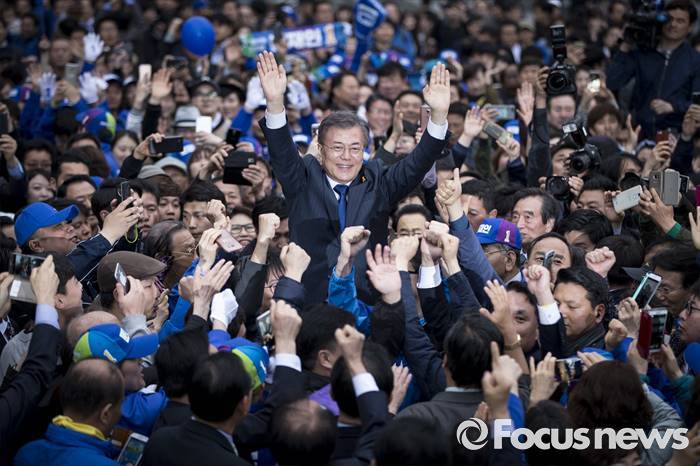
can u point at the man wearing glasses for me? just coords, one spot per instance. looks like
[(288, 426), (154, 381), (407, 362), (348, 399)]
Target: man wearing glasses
[(340, 190), (501, 243)]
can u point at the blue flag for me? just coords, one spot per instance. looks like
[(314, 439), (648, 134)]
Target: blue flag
[(369, 14)]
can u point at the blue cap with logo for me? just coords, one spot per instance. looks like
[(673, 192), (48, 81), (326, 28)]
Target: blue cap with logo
[(40, 215), (112, 343), (497, 230)]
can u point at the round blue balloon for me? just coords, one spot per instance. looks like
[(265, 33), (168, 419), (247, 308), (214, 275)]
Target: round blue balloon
[(197, 35)]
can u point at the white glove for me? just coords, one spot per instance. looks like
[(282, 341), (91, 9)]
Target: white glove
[(297, 96), (254, 96), (47, 84), (90, 87), (93, 46), (224, 306)]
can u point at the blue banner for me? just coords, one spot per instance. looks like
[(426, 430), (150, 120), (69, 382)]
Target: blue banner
[(318, 36), (369, 14)]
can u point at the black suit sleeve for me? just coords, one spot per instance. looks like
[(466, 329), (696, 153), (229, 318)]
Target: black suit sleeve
[(286, 162), (29, 385), (374, 415), (551, 339), (290, 291)]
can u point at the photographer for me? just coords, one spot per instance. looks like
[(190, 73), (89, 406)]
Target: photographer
[(665, 74)]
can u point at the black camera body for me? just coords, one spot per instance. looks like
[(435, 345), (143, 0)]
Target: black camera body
[(644, 24), (558, 186), (586, 156), (562, 76)]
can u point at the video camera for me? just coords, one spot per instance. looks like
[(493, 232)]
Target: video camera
[(644, 23), (586, 156), (562, 76)]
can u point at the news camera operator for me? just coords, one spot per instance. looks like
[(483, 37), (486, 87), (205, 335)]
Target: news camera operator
[(656, 53)]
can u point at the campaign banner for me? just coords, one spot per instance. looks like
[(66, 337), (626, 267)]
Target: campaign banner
[(369, 14), (318, 36)]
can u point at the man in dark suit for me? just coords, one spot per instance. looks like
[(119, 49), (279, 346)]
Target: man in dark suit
[(339, 190)]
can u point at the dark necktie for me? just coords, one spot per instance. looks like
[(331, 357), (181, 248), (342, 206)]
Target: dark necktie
[(341, 189)]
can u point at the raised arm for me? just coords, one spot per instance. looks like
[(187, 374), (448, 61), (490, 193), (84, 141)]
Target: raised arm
[(288, 166), (402, 177)]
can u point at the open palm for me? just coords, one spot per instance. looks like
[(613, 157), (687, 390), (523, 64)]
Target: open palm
[(382, 271), (437, 92), (273, 78)]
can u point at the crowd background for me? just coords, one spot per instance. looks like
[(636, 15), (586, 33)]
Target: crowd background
[(425, 198)]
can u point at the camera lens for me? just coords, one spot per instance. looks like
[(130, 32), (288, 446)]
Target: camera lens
[(557, 80), (558, 186), (579, 162)]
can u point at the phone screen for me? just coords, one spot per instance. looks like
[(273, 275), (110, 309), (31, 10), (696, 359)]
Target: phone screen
[(120, 277), (123, 191), (646, 290), (568, 370), (658, 328), (228, 243), (264, 324), (21, 265), (132, 451)]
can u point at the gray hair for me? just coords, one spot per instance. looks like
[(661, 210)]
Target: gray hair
[(343, 119)]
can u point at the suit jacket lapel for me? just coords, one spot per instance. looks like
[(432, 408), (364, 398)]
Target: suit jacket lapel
[(356, 194), (331, 204)]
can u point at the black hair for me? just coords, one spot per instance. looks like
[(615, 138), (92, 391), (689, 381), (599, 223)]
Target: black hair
[(467, 349), (411, 92), (685, 5), (471, 69), (681, 259), (158, 243), (74, 179), (598, 183), (411, 209), (391, 68), (628, 253), (302, 433), (90, 385), (103, 197), (345, 120), (202, 191), (550, 206), (519, 287), (551, 234), (176, 359), (457, 108), (337, 80), (318, 331), (611, 166), (483, 190), (271, 204), (594, 284), (503, 199), (219, 383), (377, 363), (387, 329), (81, 137), (548, 414), (410, 440), (145, 186), (125, 132), (374, 98), (167, 187), (39, 145), (591, 222), (71, 156)]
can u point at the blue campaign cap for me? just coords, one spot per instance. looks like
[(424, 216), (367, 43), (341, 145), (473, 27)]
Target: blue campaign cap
[(111, 342), (497, 230), (40, 215)]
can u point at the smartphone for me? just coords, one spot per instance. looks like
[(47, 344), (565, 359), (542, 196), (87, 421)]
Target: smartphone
[(145, 72), (233, 136), (662, 135), (424, 116), (120, 277), (670, 187), (594, 86), (264, 325), (176, 62), (133, 449), (228, 243), (644, 335), (568, 370), (497, 132), (167, 145), (646, 290), (123, 192), (4, 123), (203, 124), (656, 181), (547, 261), (696, 98), (314, 130), (627, 199), (21, 265), (505, 112), (658, 329), (234, 163), (71, 73)]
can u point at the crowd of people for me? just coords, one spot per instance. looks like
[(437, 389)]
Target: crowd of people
[(344, 229)]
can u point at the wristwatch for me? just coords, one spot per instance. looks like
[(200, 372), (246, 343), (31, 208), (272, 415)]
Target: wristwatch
[(513, 346)]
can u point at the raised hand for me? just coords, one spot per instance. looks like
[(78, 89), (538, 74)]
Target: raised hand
[(403, 250), (615, 335), (93, 47), (295, 261), (511, 147), (600, 261), (207, 284), (351, 343), (402, 379), (353, 240), (207, 248), (273, 80), (256, 176), (8, 147), (383, 274), (526, 102), (498, 382), (668, 363), (161, 85), (135, 301), (45, 282), (254, 96), (473, 126), (629, 314), (543, 383), (216, 213), (450, 248), (286, 324), (5, 281), (121, 219), (437, 93), (267, 226), (449, 194), (538, 282), (636, 359), (650, 205)]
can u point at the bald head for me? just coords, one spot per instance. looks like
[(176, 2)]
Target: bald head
[(85, 322)]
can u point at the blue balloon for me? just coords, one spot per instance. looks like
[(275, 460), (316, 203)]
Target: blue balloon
[(197, 35)]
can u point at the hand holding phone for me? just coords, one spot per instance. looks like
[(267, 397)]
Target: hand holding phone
[(166, 146), (121, 278), (647, 289), (264, 324), (227, 242)]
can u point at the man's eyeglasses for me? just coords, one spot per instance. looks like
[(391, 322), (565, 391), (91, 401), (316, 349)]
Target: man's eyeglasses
[(689, 308), (666, 290), (249, 228), (210, 95), (339, 149)]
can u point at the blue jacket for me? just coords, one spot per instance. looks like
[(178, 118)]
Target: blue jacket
[(61, 446), (673, 80), (140, 411)]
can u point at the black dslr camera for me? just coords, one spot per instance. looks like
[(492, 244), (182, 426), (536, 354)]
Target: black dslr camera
[(644, 23), (586, 156), (562, 77)]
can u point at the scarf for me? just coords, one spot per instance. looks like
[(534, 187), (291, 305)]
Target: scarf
[(595, 338), (68, 423)]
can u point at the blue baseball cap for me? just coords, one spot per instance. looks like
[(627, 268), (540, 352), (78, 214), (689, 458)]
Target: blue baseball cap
[(497, 230), (40, 215), (112, 343), (255, 361)]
